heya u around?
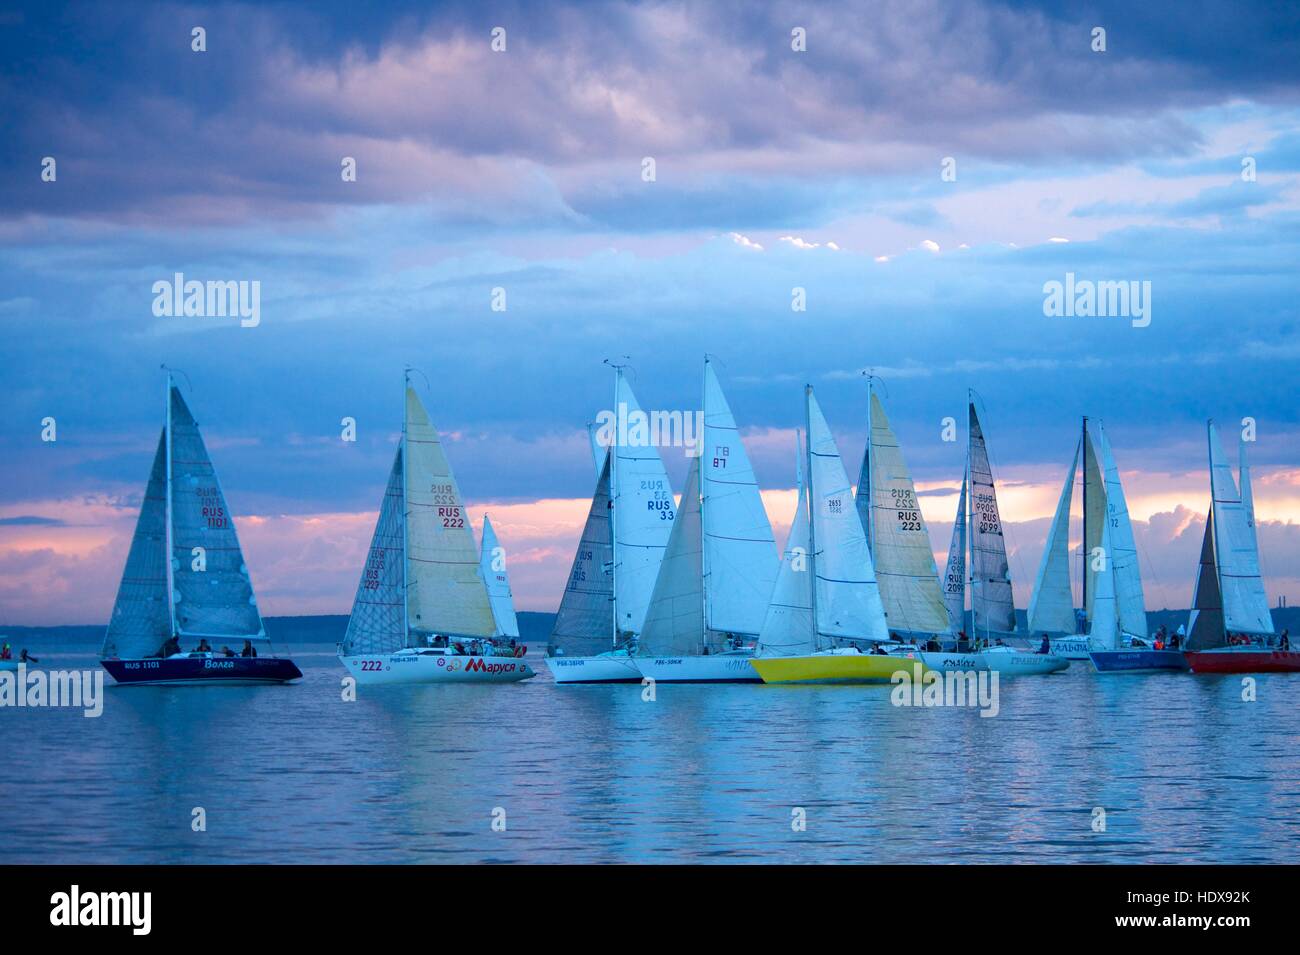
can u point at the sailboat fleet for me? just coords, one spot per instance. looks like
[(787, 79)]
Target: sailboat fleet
[(696, 591)]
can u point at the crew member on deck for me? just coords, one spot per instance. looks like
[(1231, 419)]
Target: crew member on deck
[(25, 657), (1047, 645), (1283, 642), (170, 645), (204, 646), (6, 653), (249, 650)]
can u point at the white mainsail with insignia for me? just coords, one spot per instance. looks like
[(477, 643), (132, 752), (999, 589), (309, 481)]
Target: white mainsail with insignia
[(991, 595), (492, 565), (675, 624), (378, 620)]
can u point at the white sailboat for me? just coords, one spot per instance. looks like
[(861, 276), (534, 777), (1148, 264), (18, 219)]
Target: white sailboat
[(422, 612), (185, 578), (603, 610), (711, 593), (492, 566), (825, 609)]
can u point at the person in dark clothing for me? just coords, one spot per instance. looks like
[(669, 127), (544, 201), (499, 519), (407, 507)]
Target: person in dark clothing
[(227, 652), (204, 646), (1046, 645), (170, 645), (25, 657), (1283, 642), (249, 650)]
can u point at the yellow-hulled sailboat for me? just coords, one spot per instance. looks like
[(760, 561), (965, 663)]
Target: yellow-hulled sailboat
[(826, 613)]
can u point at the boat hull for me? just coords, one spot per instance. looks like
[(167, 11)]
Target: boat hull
[(715, 668), (1004, 661), (1248, 660), (393, 669), (604, 668), (833, 668), (191, 671), (9, 666), (1071, 648), (1138, 661)]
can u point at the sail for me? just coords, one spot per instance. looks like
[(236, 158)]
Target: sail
[(1105, 633), (492, 565), (991, 596), (739, 550), (378, 620), (1122, 553), (898, 538), (141, 619), (1245, 605), (954, 576), (584, 624), (1205, 629), (1051, 608), (598, 451), (445, 591), (1094, 514), (643, 510), (212, 593), (788, 626), (674, 622), (847, 600), (1247, 495)]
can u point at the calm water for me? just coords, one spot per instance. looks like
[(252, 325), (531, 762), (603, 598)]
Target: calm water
[(1185, 770)]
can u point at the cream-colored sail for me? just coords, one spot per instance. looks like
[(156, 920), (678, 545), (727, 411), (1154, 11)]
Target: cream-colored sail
[(674, 622), (1051, 608), (1245, 604)]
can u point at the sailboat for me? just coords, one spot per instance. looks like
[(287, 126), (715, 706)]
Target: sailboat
[(1231, 628), (979, 528), (422, 612), (603, 610), (826, 601), (492, 566), (185, 578), (711, 594)]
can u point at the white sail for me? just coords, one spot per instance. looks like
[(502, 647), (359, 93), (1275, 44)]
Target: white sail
[(674, 622), (897, 535), (788, 627), (643, 510), (1247, 495), (141, 620), (212, 595), (847, 601), (740, 558), (1094, 514), (991, 595), (378, 620), (1051, 608), (954, 575), (584, 624), (1245, 604), (1122, 552), (492, 565), (445, 591), (1205, 629), (1106, 630), (598, 451)]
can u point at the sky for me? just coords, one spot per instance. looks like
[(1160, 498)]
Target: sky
[(920, 170)]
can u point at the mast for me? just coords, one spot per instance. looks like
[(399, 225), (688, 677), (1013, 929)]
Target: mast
[(871, 499), (171, 586), (613, 500), (970, 521), (704, 550), (1083, 453), (812, 532), (406, 599)]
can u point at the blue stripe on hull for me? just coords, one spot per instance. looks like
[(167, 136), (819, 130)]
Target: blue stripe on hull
[(1137, 661), (190, 672)]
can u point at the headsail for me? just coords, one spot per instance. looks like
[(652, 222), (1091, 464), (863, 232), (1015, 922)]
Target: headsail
[(991, 596), (788, 627), (1051, 608), (141, 619), (1247, 495), (446, 593), (1245, 604), (1205, 629), (954, 576), (898, 538), (847, 602), (1094, 515), (1106, 631), (212, 593), (378, 620), (739, 550), (492, 565), (674, 622), (643, 510), (1122, 554), (584, 625)]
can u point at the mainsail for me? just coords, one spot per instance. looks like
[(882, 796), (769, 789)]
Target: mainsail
[(788, 627), (378, 620), (212, 595), (954, 576), (739, 559), (991, 595), (1247, 496), (1245, 604), (445, 591), (1105, 632), (1094, 515), (1205, 629), (896, 532), (1121, 555), (492, 565), (1051, 608), (584, 624), (643, 510), (674, 623), (141, 618), (847, 599)]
